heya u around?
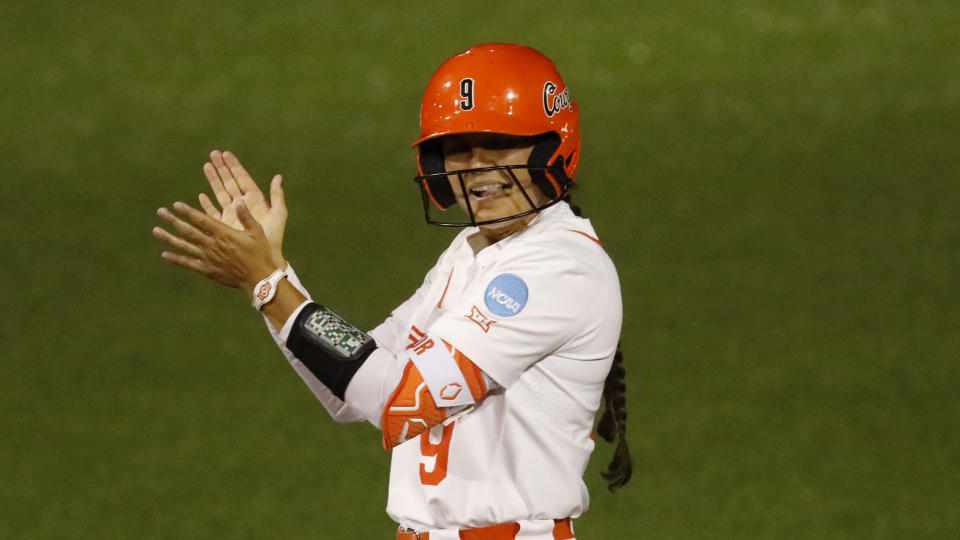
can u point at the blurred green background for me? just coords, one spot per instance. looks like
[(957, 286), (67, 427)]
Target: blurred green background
[(777, 182)]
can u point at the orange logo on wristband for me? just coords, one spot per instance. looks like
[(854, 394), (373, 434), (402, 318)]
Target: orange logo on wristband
[(264, 291)]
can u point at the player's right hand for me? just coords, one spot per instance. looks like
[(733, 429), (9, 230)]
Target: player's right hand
[(230, 181), (236, 258)]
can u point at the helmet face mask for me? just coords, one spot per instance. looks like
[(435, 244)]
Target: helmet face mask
[(460, 211), (504, 89)]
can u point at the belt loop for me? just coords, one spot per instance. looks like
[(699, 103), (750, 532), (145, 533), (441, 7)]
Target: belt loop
[(411, 534), (562, 529)]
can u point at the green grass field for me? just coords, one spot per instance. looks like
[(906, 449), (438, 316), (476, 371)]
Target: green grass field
[(778, 183)]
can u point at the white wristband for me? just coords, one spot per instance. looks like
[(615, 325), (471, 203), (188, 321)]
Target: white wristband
[(266, 289)]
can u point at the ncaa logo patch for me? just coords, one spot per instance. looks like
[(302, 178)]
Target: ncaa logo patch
[(506, 295)]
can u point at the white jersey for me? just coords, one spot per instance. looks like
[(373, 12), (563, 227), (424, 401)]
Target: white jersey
[(539, 312)]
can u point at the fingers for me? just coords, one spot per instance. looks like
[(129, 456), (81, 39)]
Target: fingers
[(186, 230), (195, 225), (203, 244), (186, 262), (277, 200), (209, 207), (243, 178), (194, 254), (219, 191), (246, 219), (177, 242), (226, 176)]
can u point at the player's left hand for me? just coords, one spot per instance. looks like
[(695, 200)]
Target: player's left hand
[(235, 258), (230, 182)]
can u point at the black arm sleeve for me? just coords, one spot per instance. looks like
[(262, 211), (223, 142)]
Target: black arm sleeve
[(331, 348)]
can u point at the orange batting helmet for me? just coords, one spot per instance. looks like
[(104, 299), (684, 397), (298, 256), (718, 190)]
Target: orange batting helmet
[(505, 89)]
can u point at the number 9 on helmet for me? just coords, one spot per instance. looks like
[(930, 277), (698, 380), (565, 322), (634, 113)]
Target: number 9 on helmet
[(504, 89)]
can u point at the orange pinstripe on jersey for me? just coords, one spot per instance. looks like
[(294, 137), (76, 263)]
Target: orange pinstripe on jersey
[(587, 235), (444, 295)]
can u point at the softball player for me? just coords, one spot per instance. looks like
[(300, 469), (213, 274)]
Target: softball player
[(486, 381)]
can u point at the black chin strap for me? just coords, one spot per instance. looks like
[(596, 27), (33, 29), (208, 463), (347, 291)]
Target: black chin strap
[(543, 148)]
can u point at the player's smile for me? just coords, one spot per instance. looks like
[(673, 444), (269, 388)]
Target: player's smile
[(494, 194), (491, 193), (488, 190)]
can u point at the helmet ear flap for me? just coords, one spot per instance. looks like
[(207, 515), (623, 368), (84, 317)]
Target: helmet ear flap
[(431, 162), (552, 184)]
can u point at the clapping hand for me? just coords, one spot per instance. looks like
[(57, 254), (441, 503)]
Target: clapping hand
[(238, 245), (230, 182)]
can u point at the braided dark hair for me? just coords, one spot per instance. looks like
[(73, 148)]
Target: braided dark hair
[(613, 422), (576, 209)]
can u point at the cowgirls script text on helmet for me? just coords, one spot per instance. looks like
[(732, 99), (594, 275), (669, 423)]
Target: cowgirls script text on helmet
[(553, 103)]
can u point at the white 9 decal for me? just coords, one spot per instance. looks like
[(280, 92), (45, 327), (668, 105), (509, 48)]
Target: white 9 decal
[(466, 93)]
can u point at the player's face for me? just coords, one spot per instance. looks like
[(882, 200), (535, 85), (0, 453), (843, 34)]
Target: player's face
[(492, 194)]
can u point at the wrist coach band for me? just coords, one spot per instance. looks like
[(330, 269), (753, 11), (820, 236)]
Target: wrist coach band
[(266, 289)]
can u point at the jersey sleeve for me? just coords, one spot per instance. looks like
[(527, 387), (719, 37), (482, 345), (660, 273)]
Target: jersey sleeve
[(519, 311)]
